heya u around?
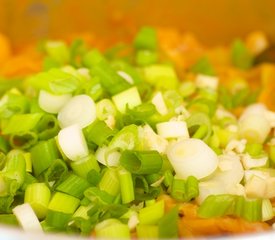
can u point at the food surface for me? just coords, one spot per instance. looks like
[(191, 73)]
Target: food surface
[(159, 137)]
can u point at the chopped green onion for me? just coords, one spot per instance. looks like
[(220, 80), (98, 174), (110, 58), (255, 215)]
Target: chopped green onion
[(146, 39), (252, 210), (192, 157), (94, 194), (162, 76), (56, 172), (126, 138), (79, 110), (126, 186), (8, 219), (4, 146), (240, 55), (169, 219), (203, 66), (27, 218), (58, 51), (23, 140), (55, 81), (22, 123), (57, 220), (73, 185), (91, 133), (146, 57), (52, 103), (47, 127), (42, 155), (146, 231), (141, 162), (110, 182), (216, 206), (151, 214), (72, 143), (38, 196), (85, 165), (178, 189), (111, 81), (112, 228), (128, 98), (64, 203)]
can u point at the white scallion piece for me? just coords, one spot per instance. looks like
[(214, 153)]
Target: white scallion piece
[(159, 103), (249, 162), (108, 157), (51, 103), (79, 110), (72, 142), (129, 97), (126, 77), (205, 81), (27, 218), (192, 157), (173, 129), (230, 170), (151, 140)]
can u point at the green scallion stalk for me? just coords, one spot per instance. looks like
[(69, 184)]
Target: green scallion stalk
[(254, 149), (47, 127), (85, 165), (203, 66), (191, 188), (23, 140), (178, 189), (6, 203), (169, 219), (64, 203), (162, 76), (92, 58), (13, 103), (146, 57), (43, 154), (92, 136), (216, 206), (240, 56), (73, 185), (8, 219), (15, 166), (55, 173), (27, 157), (110, 182), (112, 82), (146, 39), (168, 178), (201, 132), (2, 160), (29, 179), (58, 51), (252, 210), (126, 186), (4, 146), (146, 231), (105, 108), (151, 214), (93, 177), (141, 162), (126, 138), (112, 228), (22, 123), (94, 194), (128, 98), (57, 220), (196, 120), (38, 196), (54, 81)]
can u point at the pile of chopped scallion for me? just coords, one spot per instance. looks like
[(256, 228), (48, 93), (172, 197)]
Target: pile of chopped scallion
[(90, 144)]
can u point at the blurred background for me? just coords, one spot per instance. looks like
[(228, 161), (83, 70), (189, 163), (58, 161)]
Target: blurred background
[(212, 21)]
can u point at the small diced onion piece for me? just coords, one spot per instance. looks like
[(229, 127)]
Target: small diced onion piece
[(192, 157), (173, 129), (79, 110), (204, 81), (27, 218), (129, 98), (249, 162), (72, 143), (52, 103), (159, 103)]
